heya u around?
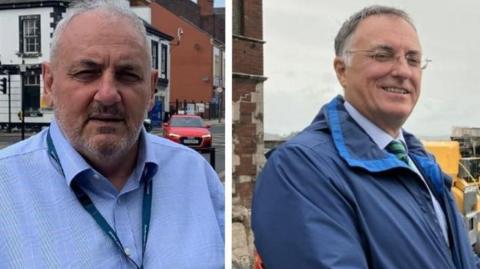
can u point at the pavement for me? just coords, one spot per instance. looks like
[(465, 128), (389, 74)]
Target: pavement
[(214, 122)]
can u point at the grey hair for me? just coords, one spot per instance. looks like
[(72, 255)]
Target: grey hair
[(345, 33), (112, 7)]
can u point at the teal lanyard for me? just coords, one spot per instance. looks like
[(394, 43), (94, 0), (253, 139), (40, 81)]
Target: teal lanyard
[(97, 216)]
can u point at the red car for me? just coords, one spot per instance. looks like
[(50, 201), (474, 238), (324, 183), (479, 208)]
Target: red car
[(189, 131)]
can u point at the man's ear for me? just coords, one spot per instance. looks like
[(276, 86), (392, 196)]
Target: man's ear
[(153, 87), (340, 69), (47, 75)]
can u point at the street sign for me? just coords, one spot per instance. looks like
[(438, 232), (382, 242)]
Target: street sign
[(191, 109)]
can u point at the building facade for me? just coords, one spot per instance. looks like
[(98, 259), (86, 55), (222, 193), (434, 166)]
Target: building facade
[(201, 13), (29, 27), (197, 57), (248, 147), (161, 58)]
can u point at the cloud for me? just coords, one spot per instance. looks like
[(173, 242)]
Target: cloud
[(299, 55)]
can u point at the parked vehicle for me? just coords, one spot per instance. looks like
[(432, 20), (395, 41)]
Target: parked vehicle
[(188, 130)]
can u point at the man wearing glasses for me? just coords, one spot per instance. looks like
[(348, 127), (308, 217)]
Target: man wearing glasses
[(354, 190)]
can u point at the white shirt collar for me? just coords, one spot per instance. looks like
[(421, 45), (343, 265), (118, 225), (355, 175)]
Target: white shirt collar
[(379, 136)]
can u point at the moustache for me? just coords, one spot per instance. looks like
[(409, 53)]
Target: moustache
[(103, 112)]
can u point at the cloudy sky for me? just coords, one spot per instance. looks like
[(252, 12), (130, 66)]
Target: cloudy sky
[(299, 55)]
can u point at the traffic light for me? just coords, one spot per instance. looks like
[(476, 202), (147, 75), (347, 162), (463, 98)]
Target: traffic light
[(3, 86)]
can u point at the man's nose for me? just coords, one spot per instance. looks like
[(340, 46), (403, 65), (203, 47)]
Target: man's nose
[(401, 68), (107, 92)]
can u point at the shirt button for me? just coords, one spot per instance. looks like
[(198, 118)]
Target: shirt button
[(96, 176), (128, 252)]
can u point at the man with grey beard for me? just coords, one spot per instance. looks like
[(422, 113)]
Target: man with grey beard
[(95, 190)]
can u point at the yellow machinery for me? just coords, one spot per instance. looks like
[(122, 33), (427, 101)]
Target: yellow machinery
[(465, 173)]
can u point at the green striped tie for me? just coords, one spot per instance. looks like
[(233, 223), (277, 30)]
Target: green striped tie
[(398, 149)]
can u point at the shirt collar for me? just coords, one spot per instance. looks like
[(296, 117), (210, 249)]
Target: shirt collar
[(73, 164), (379, 136), (147, 163)]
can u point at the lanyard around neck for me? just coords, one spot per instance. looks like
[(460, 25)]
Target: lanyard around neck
[(97, 216)]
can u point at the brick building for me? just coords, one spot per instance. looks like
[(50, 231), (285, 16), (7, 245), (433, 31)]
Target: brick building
[(247, 97), (26, 28), (203, 15), (247, 130), (197, 54)]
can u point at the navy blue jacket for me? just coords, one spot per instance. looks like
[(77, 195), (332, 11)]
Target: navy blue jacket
[(330, 198)]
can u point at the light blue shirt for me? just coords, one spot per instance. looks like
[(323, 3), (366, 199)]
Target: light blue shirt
[(382, 139), (43, 225)]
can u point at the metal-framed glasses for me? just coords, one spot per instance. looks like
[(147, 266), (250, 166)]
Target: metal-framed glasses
[(389, 56)]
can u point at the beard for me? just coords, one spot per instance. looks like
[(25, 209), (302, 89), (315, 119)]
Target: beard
[(104, 144)]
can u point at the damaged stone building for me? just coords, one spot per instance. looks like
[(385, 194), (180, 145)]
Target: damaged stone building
[(248, 146)]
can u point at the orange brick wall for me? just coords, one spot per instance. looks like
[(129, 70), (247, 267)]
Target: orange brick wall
[(191, 61)]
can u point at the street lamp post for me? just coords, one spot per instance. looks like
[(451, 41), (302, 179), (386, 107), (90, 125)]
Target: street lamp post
[(23, 69), (9, 104), (219, 91)]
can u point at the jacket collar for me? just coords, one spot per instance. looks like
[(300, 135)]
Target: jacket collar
[(353, 143)]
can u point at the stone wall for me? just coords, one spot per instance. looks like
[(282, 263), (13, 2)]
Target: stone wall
[(247, 128), (247, 161), (242, 238)]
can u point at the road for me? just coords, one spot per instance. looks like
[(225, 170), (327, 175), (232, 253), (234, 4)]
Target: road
[(8, 139), (218, 142), (217, 129)]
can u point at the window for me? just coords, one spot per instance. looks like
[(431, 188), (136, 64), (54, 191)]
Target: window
[(30, 35), (31, 80), (155, 54), (164, 63), (31, 87)]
